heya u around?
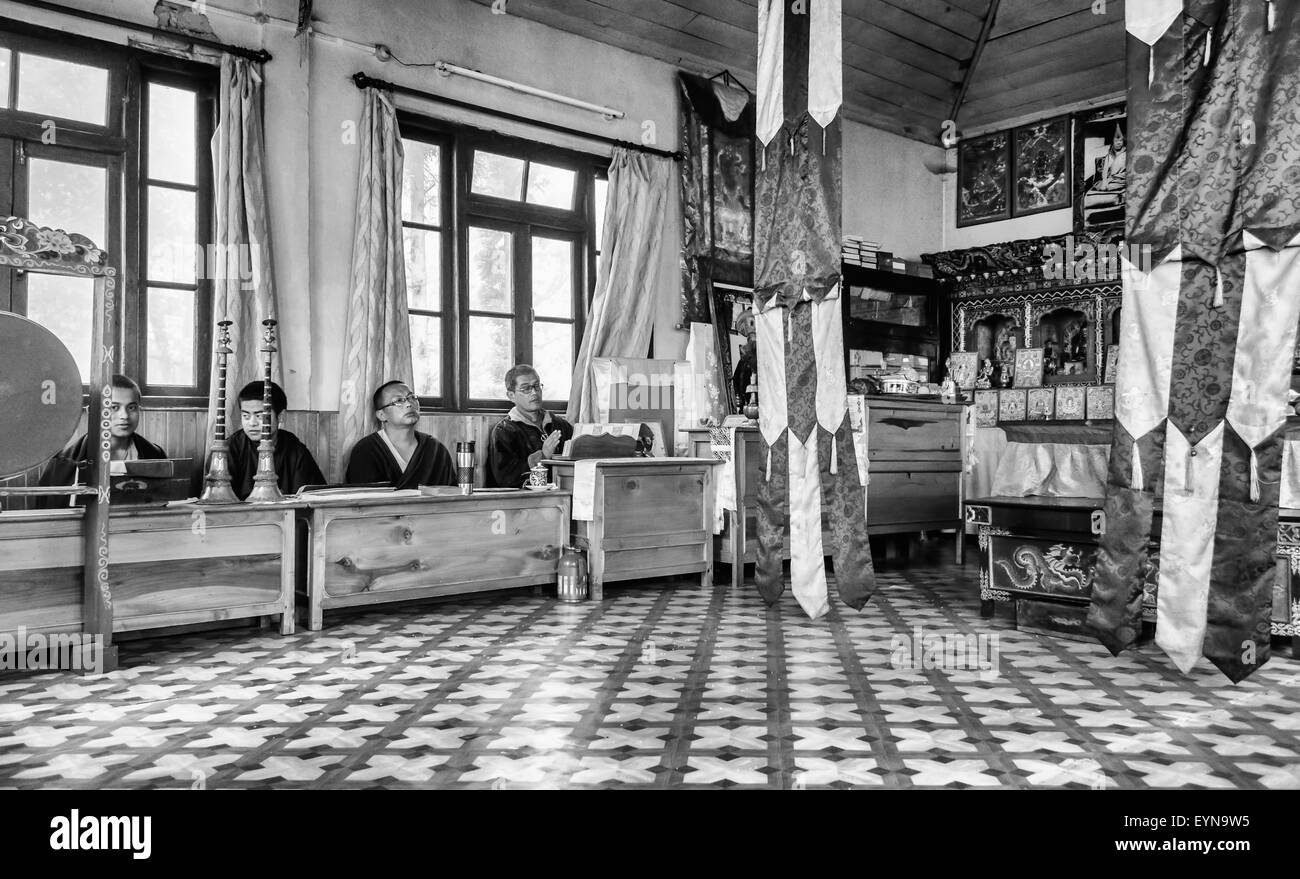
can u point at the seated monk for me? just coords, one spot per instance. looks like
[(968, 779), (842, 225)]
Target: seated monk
[(70, 466), (294, 464), (397, 453), (526, 435)]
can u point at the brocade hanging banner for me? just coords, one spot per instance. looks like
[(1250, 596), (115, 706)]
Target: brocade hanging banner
[(810, 452), (1209, 329)]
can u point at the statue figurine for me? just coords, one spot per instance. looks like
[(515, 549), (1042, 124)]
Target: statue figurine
[(984, 380)]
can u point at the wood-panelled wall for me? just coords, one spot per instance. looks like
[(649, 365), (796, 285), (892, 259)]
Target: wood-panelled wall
[(183, 433)]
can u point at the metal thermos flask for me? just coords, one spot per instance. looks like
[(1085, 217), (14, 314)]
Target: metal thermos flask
[(572, 575), (465, 466)]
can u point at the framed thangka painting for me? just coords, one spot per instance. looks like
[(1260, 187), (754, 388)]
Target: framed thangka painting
[(1100, 165), (1041, 167), (984, 179)]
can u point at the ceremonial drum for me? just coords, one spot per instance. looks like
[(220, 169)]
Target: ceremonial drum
[(40, 394)]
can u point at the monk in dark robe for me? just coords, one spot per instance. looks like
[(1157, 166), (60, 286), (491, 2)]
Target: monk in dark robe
[(397, 453), (72, 465), (526, 435), (294, 464)]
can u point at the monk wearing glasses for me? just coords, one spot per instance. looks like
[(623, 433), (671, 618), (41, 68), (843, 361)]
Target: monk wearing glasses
[(397, 453), (527, 434)]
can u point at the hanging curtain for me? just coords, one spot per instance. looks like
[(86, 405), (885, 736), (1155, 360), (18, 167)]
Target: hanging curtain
[(377, 344), (811, 457), (243, 286), (1213, 200), (627, 278)]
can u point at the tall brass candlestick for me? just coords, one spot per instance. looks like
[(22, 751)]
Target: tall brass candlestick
[(266, 485), (216, 484)]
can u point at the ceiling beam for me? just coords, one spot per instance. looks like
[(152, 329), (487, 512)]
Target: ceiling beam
[(974, 59)]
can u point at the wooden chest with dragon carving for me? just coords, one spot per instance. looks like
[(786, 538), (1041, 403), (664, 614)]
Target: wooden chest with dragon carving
[(1041, 553)]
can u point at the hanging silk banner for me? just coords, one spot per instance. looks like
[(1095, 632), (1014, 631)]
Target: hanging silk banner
[(810, 456), (1210, 318)]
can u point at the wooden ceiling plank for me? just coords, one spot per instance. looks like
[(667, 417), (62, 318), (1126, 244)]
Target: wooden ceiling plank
[(1060, 28), (860, 37), (894, 92), (941, 13), (734, 12), (1021, 14), (1068, 88), (891, 19), (1087, 49)]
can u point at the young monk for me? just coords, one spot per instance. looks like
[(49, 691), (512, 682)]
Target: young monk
[(294, 464), (70, 466), (526, 435), (397, 453)]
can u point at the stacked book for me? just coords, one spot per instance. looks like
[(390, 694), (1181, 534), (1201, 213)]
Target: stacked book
[(858, 252)]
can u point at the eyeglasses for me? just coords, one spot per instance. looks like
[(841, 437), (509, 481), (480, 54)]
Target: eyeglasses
[(530, 389), (410, 399)]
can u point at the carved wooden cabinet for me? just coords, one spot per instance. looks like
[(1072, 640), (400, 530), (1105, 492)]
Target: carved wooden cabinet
[(1041, 554)]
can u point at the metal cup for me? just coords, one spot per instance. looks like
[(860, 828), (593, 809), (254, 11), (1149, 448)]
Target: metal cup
[(465, 466), (537, 476)]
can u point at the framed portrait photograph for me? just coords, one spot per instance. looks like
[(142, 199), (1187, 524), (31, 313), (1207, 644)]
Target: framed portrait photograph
[(1070, 401), (1101, 402), (986, 408), (1012, 405), (965, 367), (1041, 403), (984, 179), (1100, 169), (1041, 167), (1029, 367)]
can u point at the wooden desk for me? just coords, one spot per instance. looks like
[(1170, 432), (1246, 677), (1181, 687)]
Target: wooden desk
[(652, 517), (167, 566), (383, 549)]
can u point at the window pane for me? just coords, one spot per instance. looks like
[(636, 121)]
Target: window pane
[(550, 186), (421, 183), (4, 79), (553, 352), (64, 306), (552, 277), (491, 270), (496, 175), (171, 134), (63, 89), (171, 338), (423, 269), (68, 197), (491, 341), (601, 190), (172, 236), (426, 354)]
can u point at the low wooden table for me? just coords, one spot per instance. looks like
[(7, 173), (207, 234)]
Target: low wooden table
[(652, 517), (168, 566), (373, 550), (1041, 554)]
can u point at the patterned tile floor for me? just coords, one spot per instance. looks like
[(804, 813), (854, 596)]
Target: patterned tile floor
[(665, 684)]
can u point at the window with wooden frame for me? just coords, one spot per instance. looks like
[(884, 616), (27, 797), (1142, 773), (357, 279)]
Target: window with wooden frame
[(500, 259), (112, 143)]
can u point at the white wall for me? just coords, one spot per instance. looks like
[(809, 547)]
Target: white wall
[(889, 195)]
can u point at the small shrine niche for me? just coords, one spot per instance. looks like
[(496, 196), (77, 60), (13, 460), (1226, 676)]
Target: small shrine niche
[(995, 338), (1065, 335)]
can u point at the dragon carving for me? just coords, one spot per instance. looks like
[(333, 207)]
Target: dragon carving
[(1061, 570)]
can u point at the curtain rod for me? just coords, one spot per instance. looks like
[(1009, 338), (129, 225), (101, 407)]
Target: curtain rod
[(364, 81), (255, 54)]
